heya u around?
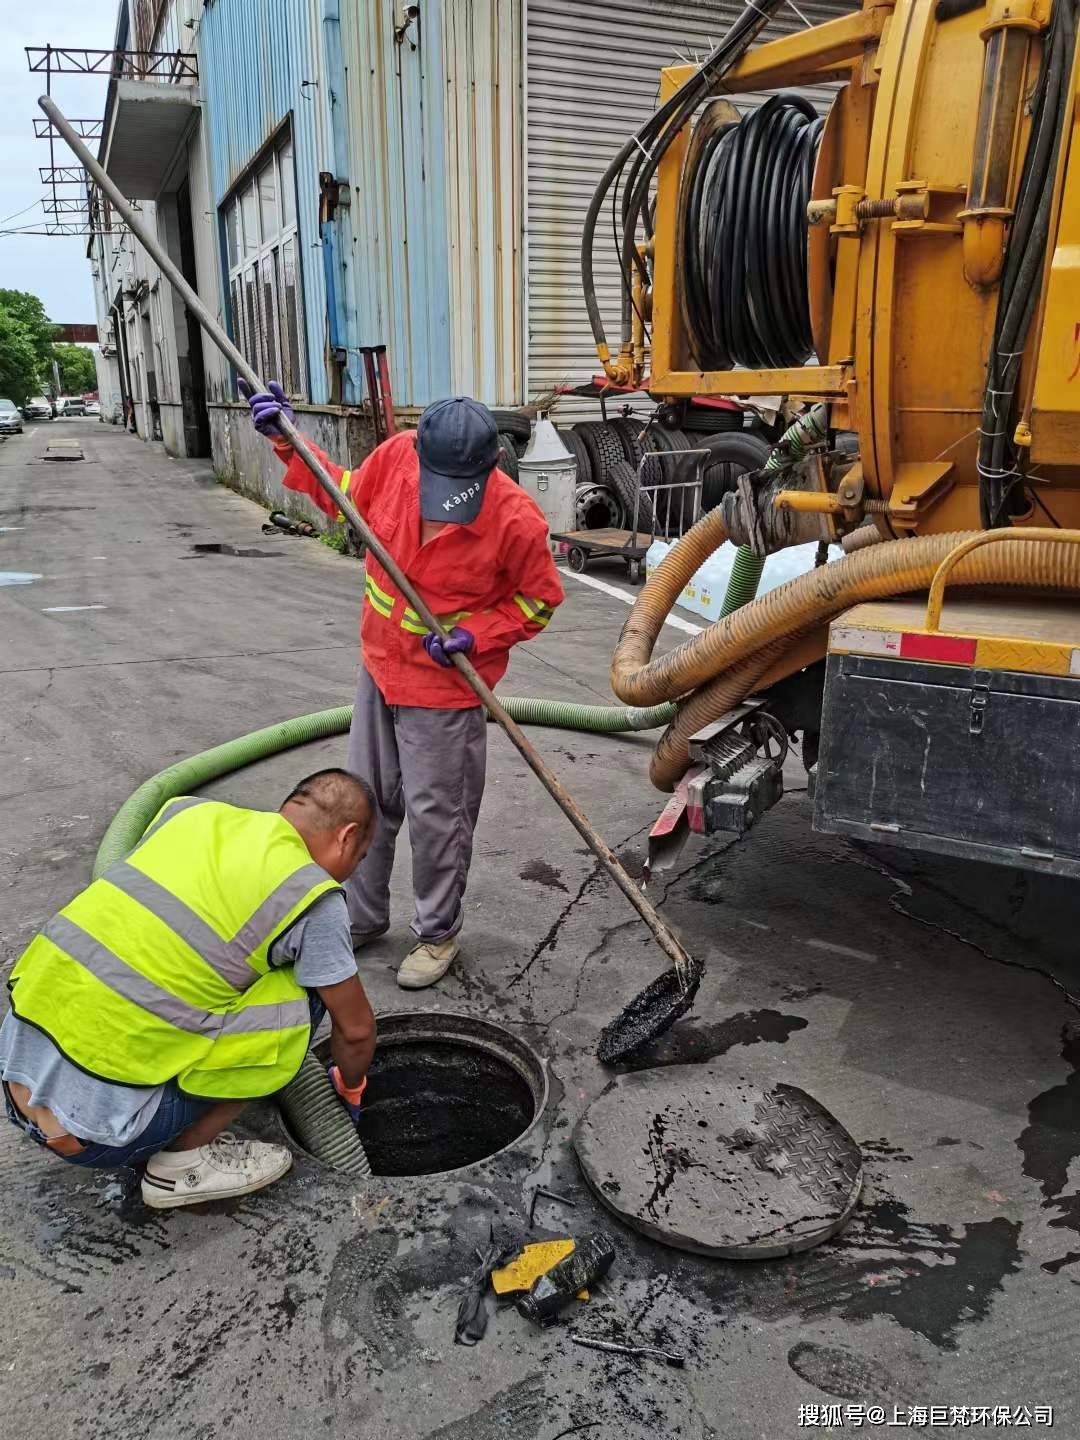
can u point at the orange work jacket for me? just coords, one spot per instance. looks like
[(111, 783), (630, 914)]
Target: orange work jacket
[(494, 576)]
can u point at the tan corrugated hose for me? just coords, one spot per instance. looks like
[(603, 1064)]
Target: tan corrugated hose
[(721, 666)]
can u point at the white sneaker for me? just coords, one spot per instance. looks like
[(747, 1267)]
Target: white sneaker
[(426, 963), (227, 1166)]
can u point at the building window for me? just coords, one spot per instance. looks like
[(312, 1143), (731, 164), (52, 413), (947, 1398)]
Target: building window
[(265, 297)]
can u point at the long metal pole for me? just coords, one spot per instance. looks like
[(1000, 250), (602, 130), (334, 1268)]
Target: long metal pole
[(685, 967)]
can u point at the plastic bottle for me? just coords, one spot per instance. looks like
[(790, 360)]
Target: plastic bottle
[(710, 583), (590, 1259), (654, 555), (784, 565)]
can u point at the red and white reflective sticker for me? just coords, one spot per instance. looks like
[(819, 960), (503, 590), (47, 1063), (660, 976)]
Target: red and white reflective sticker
[(864, 642), (905, 645), (944, 649)]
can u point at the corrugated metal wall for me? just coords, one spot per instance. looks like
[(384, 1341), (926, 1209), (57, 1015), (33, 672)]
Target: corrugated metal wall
[(397, 269), (253, 55), (484, 134), (592, 78), (434, 145)]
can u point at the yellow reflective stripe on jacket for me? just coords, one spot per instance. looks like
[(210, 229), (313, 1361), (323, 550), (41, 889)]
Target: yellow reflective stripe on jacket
[(379, 594), (411, 620), (535, 610), (343, 483), (378, 599)]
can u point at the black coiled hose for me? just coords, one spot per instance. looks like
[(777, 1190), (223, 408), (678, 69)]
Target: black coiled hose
[(743, 229), (1001, 466), (637, 161)]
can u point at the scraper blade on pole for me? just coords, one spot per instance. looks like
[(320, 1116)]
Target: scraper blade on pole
[(687, 971)]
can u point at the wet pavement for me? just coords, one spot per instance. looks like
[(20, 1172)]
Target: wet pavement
[(928, 1004)]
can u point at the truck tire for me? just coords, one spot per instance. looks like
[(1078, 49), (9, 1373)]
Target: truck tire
[(628, 431), (513, 422), (732, 455), (508, 456), (574, 443), (711, 420), (622, 478), (603, 445), (659, 441)]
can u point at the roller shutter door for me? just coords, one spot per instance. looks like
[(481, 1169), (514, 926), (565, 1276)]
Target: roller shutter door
[(592, 77)]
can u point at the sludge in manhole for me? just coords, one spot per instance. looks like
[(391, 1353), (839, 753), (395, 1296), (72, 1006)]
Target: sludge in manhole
[(444, 1092)]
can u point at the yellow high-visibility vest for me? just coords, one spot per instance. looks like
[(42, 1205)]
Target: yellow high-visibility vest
[(160, 968)]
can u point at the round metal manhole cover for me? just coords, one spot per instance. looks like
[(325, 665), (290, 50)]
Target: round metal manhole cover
[(717, 1165)]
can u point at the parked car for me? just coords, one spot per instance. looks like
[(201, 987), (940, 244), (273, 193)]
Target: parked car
[(10, 420), (91, 407), (37, 409), (69, 405)]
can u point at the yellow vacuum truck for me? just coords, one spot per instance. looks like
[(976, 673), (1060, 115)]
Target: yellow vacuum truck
[(905, 271)]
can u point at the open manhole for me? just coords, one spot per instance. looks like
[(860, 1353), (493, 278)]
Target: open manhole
[(444, 1091)]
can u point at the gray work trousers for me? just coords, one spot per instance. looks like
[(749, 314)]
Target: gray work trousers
[(428, 765)]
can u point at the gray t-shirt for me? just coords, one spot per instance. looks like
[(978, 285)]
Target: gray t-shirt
[(318, 947)]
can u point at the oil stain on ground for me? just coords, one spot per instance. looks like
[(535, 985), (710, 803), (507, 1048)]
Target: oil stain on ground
[(922, 1275), (1050, 1141), (220, 548), (698, 1042), (542, 873)]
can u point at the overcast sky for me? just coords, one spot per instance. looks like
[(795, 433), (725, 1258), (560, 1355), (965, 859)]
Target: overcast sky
[(56, 269)]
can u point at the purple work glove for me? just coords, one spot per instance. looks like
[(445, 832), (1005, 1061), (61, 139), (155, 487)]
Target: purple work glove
[(266, 407), (458, 642), (349, 1098)]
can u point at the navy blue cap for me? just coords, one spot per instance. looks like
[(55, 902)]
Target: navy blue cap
[(457, 443)]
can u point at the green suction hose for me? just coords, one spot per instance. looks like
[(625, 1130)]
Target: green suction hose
[(319, 1121), (743, 581), (186, 776)]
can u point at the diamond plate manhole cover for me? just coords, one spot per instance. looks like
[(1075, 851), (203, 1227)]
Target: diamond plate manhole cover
[(717, 1165)]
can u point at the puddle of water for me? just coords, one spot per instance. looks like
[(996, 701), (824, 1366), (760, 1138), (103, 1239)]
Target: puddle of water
[(18, 577)]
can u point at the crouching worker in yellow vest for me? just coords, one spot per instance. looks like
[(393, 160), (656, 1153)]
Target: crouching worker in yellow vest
[(188, 980)]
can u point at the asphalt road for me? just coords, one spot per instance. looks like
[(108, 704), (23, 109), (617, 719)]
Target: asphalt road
[(927, 1004)]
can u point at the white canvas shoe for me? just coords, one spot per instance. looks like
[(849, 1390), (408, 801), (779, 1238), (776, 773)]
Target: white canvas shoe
[(227, 1166), (426, 963)]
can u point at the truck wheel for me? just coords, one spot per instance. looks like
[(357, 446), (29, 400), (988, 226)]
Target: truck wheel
[(624, 481)]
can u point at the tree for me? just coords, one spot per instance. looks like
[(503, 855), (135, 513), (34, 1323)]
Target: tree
[(28, 310), (18, 359), (78, 372)]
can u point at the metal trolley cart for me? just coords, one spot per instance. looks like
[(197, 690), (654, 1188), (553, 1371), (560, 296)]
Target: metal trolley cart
[(661, 510)]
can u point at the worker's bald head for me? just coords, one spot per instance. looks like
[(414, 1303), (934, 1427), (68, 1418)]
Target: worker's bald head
[(334, 812), (332, 798)]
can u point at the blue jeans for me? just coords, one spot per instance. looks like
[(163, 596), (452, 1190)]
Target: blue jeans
[(174, 1114), (172, 1117)]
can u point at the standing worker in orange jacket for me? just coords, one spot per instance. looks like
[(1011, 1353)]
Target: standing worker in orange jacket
[(476, 548)]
